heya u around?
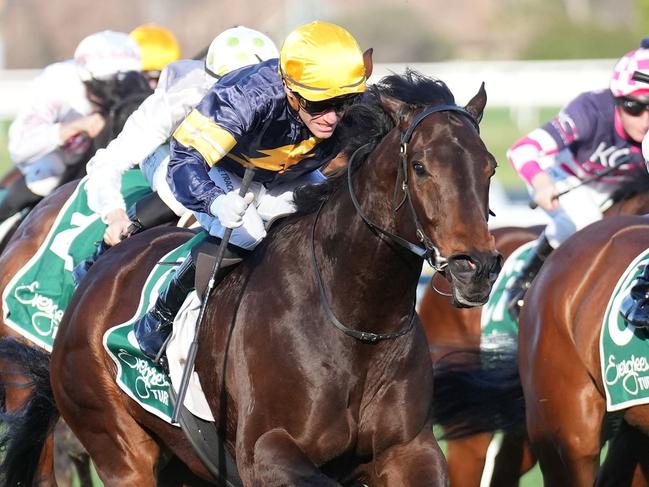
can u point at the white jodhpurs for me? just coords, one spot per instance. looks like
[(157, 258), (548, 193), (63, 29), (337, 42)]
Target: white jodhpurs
[(154, 168), (578, 208)]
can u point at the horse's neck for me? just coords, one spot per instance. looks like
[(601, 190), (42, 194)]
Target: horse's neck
[(381, 274), (638, 204)]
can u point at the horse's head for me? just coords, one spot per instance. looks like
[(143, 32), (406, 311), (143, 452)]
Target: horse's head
[(444, 171), (121, 99)]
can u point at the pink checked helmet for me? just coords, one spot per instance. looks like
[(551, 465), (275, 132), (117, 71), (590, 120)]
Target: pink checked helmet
[(622, 83)]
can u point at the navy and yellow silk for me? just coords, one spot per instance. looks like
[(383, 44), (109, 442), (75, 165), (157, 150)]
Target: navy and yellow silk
[(243, 120)]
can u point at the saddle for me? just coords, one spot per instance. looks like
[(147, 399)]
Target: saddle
[(204, 255)]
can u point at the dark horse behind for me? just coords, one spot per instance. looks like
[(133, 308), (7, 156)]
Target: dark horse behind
[(312, 358)]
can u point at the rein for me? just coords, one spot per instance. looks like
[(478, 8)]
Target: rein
[(428, 252)]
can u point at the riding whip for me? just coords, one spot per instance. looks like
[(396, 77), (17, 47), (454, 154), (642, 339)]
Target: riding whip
[(640, 76), (623, 160), (191, 356)]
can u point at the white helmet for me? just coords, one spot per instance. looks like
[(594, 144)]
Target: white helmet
[(104, 54), (238, 47)]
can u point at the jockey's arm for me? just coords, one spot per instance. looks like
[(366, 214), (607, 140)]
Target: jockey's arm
[(36, 130), (198, 144), (144, 131), (525, 156)]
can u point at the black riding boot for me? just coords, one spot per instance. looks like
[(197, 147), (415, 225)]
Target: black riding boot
[(529, 271), (81, 269), (634, 308), (146, 213), (152, 330), (18, 196)]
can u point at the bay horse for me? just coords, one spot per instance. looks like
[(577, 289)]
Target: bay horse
[(23, 242), (559, 358), (298, 400), (454, 332)]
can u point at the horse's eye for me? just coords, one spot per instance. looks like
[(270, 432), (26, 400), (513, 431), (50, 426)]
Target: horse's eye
[(419, 168)]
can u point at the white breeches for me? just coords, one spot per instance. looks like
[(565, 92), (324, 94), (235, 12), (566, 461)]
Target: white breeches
[(154, 168), (43, 175), (578, 208)]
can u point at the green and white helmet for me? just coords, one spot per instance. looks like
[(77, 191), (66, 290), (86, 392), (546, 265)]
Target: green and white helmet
[(237, 47)]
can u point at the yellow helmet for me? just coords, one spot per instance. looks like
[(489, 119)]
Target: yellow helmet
[(320, 60), (158, 46)]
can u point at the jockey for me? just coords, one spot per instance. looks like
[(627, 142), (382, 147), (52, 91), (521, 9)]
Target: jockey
[(278, 116), (69, 100), (634, 308), (594, 132), (158, 47), (143, 140)]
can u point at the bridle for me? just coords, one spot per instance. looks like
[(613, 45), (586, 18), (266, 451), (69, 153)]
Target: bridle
[(428, 252)]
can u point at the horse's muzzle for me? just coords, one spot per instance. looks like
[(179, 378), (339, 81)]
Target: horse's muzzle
[(472, 276)]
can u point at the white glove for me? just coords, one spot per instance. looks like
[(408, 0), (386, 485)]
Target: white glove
[(271, 207), (229, 208)]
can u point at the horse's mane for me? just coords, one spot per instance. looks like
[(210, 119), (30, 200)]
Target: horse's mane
[(639, 184), (128, 95), (365, 124)]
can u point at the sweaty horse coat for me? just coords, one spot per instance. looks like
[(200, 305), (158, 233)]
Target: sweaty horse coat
[(299, 401)]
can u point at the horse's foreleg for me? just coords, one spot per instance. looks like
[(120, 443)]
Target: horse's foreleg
[(466, 459), (513, 460), (626, 452), (418, 463), (279, 461)]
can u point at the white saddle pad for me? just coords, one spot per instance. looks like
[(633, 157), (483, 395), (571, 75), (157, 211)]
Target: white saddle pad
[(177, 351)]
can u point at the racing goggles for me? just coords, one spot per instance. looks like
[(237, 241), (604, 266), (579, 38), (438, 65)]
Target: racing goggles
[(338, 104), (632, 106)]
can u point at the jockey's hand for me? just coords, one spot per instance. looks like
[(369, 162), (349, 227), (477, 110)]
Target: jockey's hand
[(117, 229), (229, 208), (92, 124), (545, 192)]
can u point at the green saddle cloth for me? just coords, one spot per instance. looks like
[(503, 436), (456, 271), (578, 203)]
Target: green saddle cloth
[(623, 348), (36, 297), (137, 375), (499, 327)]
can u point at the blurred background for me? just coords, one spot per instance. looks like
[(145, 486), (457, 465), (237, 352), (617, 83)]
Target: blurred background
[(534, 55)]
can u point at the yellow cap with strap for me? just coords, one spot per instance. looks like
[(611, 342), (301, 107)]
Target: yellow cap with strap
[(158, 46), (321, 60)]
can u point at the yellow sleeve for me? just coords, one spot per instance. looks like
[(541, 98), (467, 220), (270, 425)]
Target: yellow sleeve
[(202, 134)]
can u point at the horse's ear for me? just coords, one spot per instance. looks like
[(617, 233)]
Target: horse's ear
[(369, 64), (395, 108), (476, 106)]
